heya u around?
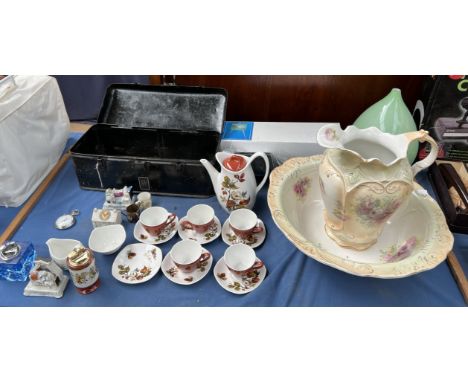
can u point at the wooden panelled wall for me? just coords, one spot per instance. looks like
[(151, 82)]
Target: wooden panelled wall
[(304, 98)]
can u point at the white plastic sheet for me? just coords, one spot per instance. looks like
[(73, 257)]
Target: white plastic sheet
[(34, 128)]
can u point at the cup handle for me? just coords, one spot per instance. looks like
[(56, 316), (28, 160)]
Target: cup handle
[(257, 265), (186, 225), (170, 219), (204, 257), (423, 136), (257, 229), (267, 168)]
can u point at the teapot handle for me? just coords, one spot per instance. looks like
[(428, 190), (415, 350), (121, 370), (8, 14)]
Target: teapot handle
[(423, 136), (267, 168)]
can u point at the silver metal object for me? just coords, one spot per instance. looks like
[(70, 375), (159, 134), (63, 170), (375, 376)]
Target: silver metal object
[(67, 221), (9, 250)]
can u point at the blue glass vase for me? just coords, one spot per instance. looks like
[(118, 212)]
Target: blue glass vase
[(16, 260)]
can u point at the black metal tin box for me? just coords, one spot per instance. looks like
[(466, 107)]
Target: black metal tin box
[(152, 138)]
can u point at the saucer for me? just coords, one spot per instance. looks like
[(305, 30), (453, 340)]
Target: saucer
[(167, 234), (415, 239), (172, 272), (137, 263), (248, 284), (253, 241), (203, 238)]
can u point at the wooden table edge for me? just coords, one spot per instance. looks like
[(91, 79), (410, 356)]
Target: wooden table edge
[(458, 274)]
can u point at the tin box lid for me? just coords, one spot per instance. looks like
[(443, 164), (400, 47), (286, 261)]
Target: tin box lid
[(164, 107)]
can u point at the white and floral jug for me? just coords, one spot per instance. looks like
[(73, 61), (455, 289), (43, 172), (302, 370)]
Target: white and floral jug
[(364, 178), (235, 186)]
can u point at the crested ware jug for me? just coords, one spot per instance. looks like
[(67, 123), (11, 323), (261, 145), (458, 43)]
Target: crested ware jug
[(235, 185), (364, 178)]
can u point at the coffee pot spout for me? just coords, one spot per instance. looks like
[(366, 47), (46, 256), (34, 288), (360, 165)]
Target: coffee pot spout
[(212, 172)]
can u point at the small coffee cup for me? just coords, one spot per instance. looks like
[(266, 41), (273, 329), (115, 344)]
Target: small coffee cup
[(199, 218), (144, 200), (188, 255), (155, 219), (240, 259), (132, 212), (244, 223)]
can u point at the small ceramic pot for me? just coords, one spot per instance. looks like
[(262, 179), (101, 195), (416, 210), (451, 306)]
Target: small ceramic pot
[(244, 223), (83, 271), (240, 259), (144, 200), (199, 218), (188, 255), (155, 219)]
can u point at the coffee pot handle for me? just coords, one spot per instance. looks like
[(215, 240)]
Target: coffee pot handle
[(423, 136), (267, 168)]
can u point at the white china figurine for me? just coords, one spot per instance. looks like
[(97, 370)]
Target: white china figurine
[(118, 199), (46, 279)]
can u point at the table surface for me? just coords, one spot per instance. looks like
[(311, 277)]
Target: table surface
[(293, 278)]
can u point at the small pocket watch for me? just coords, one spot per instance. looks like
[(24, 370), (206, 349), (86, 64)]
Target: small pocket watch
[(66, 221)]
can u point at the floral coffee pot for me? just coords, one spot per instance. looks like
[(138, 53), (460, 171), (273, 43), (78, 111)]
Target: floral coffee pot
[(364, 178), (235, 186)]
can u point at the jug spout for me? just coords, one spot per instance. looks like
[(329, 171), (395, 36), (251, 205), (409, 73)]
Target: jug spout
[(60, 248), (212, 172)]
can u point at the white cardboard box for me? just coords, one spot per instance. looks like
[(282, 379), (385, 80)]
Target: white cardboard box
[(282, 140)]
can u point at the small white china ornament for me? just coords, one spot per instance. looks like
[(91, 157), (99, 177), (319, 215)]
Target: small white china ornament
[(46, 279)]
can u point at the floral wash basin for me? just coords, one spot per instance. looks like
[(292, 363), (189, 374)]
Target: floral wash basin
[(415, 239)]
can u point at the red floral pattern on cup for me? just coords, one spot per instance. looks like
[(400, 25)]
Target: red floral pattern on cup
[(257, 265), (198, 228), (246, 233), (189, 268)]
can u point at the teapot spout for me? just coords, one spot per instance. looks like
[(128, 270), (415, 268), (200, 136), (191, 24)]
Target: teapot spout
[(212, 172)]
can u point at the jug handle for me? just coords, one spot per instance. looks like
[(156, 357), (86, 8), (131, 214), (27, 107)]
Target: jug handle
[(267, 168), (423, 136)]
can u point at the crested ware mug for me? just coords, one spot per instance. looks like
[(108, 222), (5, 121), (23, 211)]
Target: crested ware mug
[(364, 179)]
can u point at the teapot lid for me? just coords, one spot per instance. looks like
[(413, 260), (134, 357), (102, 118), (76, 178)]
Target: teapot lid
[(234, 162)]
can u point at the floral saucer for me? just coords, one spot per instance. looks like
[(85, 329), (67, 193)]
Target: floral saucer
[(172, 272), (248, 284), (253, 241), (167, 234), (137, 263), (203, 238)]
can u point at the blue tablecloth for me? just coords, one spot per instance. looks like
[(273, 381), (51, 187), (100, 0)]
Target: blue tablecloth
[(293, 279)]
